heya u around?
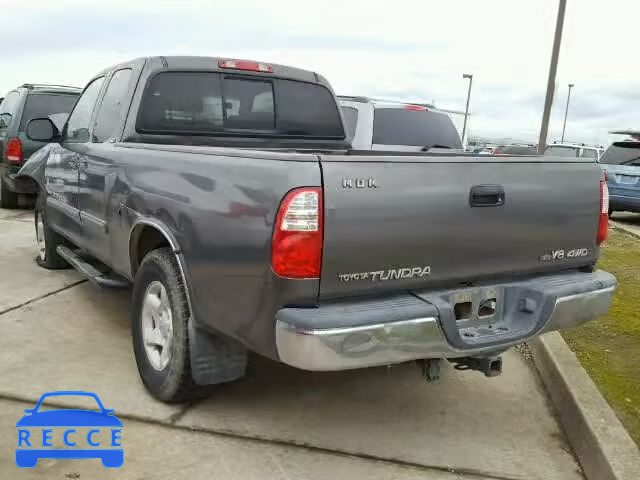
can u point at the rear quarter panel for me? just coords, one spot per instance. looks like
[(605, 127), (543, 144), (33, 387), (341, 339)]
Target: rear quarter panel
[(220, 209)]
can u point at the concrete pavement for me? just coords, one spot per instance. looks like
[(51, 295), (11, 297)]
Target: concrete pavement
[(60, 333)]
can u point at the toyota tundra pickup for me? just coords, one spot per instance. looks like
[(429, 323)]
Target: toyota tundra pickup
[(225, 192)]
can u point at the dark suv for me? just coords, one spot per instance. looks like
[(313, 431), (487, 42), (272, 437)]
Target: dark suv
[(25, 103)]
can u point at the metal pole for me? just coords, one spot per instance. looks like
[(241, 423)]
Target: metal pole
[(555, 53), (566, 111), (466, 111)]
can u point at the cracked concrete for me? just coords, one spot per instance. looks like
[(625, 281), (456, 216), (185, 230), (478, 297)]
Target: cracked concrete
[(276, 423)]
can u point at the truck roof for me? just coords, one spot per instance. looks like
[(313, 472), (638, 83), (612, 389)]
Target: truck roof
[(212, 63)]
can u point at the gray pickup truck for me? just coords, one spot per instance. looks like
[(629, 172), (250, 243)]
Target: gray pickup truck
[(226, 192)]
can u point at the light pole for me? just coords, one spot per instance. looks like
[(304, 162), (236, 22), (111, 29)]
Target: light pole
[(466, 111), (566, 111), (555, 53)]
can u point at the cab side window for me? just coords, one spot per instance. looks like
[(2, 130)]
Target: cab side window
[(112, 106), (78, 125)]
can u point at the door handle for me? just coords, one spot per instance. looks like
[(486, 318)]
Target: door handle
[(486, 196)]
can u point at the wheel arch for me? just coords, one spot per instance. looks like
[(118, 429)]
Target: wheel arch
[(155, 234), (147, 235), (31, 176)]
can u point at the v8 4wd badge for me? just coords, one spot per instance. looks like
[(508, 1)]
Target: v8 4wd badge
[(555, 255)]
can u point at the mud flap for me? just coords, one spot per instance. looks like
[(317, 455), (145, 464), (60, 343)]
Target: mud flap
[(214, 358)]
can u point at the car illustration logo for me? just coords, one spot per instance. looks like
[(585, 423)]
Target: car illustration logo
[(84, 433)]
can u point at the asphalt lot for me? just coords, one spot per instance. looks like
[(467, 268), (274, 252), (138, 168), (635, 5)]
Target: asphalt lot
[(60, 333)]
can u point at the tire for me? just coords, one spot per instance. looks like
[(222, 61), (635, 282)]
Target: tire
[(8, 199), (48, 240), (611, 212), (164, 364)]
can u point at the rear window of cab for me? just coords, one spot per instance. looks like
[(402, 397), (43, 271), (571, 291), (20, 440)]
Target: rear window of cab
[(210, 103)]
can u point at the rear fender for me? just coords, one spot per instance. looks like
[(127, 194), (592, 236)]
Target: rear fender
[(214, 359), (138, 225), (32, 176)]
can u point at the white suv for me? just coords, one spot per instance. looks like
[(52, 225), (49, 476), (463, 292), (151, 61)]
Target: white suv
[(573, 150), (374, 124)]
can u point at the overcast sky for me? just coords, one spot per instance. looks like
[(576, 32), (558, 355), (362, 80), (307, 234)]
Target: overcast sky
[(406, 50)]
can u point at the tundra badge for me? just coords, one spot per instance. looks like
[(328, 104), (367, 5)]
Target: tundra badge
[(384, 275)]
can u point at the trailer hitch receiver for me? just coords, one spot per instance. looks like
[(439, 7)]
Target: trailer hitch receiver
[(490, 366)]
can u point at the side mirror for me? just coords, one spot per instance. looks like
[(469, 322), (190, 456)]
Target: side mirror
[(42, 130)]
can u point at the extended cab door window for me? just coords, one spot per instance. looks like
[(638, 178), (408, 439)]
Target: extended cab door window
[(77, 130), (112, 106)]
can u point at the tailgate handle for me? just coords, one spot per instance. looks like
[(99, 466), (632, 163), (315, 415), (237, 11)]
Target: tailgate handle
[(486, 196)]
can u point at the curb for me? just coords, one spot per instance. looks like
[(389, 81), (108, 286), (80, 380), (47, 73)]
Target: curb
[(603, 447), (625, 228)]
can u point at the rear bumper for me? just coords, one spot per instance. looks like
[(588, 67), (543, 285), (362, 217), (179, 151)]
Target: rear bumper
[(355, 334)]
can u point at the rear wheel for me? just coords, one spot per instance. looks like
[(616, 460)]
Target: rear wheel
[(47, 240), (159, 325), (8, 199)]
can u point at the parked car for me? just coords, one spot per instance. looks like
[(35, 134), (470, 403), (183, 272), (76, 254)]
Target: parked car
[(515, 150), (621, 161), (242, 229), (22, 104), (488, 150), (374, 124), (573, 150)]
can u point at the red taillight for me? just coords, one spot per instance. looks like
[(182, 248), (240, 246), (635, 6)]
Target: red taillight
[(14, 150), (296, 248), (603, 222), (415, 107), (245, 65)]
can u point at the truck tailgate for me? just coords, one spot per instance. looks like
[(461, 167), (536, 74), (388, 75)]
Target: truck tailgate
[(395, 223)]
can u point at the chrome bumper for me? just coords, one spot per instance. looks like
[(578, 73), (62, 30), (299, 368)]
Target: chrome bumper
[(303, 345)]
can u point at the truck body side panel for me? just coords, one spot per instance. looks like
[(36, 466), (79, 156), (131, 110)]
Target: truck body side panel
[(220, 209)]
